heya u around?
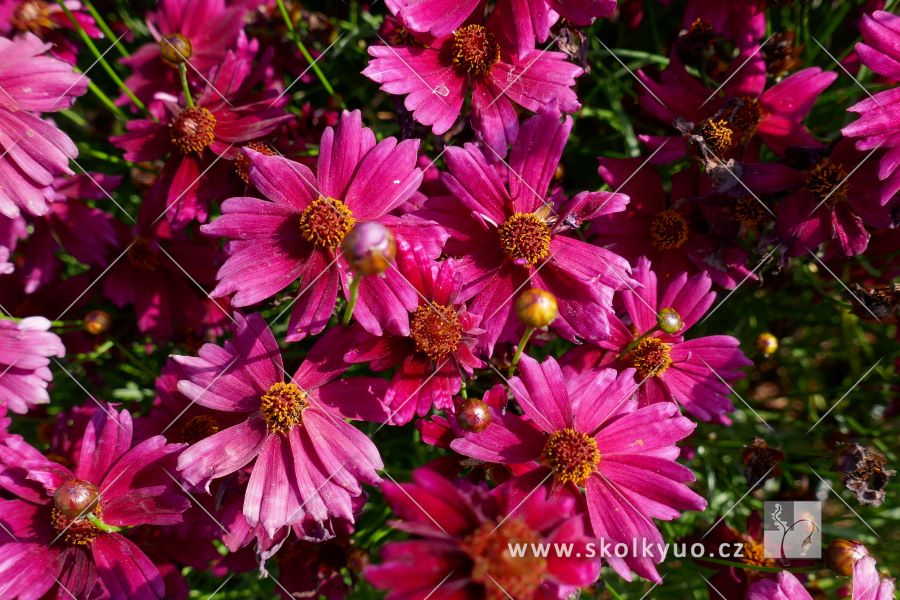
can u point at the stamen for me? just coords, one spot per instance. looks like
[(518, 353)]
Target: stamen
[(325, 222), (436, 330), (526, 237), (668, 230), (503, 575), (282, 406), (650, 357), (823, 181), (475, 49), (572, 455), (194, 129)]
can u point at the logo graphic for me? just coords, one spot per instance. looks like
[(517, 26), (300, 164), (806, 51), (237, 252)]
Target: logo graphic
[(792, 530)]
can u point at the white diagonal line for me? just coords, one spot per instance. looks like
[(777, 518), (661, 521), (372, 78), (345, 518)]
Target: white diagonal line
[(413, 71), (839, 497), (194, 400), (309, 68), (414, 501), (741, 499), (94, 282), (221, 585), (440, 583), (844, 180), (847, 393), (849, 291), (83, 74), (523, 501), (195, 282), (638, 79), (547, 422), (844, 69), (411, 396), (525, 70), (732, 390), (102, 189), (499, 586), (188, 187), (736, 71), (194, 500), (305, 289), (715, 589)]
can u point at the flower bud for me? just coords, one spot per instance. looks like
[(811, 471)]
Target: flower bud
[(175, 48), (841, 555), (536, 308), (669, 321), (369, 248), (767, 344), (75, 498), (473, 415), (97, 322)]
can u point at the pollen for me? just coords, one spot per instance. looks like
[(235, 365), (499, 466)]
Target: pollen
[(650, 357), (493, 565), (194, 129), (475, 49), (325, 222), (754, 554), (33, 16), (76, 531), (748, 211), (668, 230), (199, 427), (282, 406), (525, 236), (826, 180), (436, 330), (717, 134), (573, 455), (142, 256), (242, 162), (746, 115)]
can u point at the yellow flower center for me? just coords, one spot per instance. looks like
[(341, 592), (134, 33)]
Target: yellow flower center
[(573, 455), (194, 129), (76, 531), (824, 181), (436, 330), (668, 230), (242, 163), (198, 428), (717, 134), (650, 357), (493, 566), (326, 222), (475, 49), (282, 406), (33, 16), (525, 236)]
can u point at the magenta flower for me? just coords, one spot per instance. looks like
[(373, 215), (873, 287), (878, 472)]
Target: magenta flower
[(64, 523), (679, 239), (585, 431), (462, 536), (436, 74), (48, 21), (211, 26), (877, 126), (739, 21), (309, 461), (867, 585), (509, 236), (34, 151), (668, 367), (432, 360), (297, 232), (227, 115), (25, 351)]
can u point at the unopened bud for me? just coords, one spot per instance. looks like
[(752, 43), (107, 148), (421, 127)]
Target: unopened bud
[(669, 320), (175, 48), (75, 498), (97, 322), (536, 308), (841, 555), (473, 415), (767, 344), (369, 248)]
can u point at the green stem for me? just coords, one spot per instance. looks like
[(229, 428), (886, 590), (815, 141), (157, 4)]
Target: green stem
[(100, 58), (107, 31), (101, 525), (521, 346), (100, 155), (55, 324), (306, 54), (182, 74), (106, 100), (635, 342), (133, 359), (351, 301)]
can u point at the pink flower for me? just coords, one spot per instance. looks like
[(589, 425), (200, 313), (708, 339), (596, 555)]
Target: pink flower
[(309, 461), (585, 432), (437, 353), (211, 26), (509, 235), (740, 21), (669, 368), (25, 351), (48, 21), (867, 585), (462, 532), (65, 524), (227, 115), (297, 232), (877, 125), (34, 151), (668, 228), (435, 75)]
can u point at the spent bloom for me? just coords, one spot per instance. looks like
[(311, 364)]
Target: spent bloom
[(462, 536), (26, 348), (66, 524), (34, 150), (583, 435), (309, 462)]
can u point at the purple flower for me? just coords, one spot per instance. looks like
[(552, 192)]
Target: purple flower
[(34, 151), (25, 351), (583, 434), (432, 360), (297, 232), (436, 74), (509, 235), (65, 524), (462, 536), (668, 367), (48, 21), (309, 461), (877, 125)]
